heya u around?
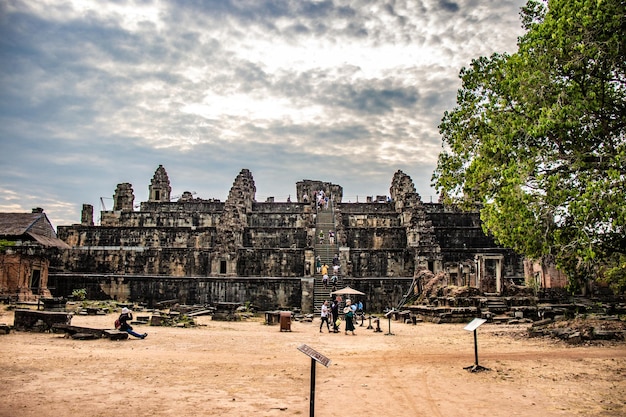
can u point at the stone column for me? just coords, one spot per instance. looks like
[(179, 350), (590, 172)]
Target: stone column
[(86, 215)]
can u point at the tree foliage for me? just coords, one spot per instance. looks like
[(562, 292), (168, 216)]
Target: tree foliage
[(538, 137)]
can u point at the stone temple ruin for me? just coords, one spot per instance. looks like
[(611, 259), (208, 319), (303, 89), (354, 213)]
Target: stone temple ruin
[(204, 250)]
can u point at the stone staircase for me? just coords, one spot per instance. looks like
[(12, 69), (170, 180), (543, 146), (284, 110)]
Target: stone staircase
[(325, 222), (496, 305)]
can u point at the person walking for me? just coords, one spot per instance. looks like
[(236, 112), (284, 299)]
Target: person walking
[(333, 283), (334, 308), (125, 327), (325, 275), (318, 264), (349, 315), (324, 316)]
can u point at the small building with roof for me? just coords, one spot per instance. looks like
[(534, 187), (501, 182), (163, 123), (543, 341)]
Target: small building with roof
[(27, 240)]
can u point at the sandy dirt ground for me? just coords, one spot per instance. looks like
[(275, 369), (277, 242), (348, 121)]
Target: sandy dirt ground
[(251, 369)]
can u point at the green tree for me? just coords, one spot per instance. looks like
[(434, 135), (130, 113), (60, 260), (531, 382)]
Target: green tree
[(537, 138)]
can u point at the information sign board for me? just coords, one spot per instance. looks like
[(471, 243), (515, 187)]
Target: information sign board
[(313, 354), (474, 324)]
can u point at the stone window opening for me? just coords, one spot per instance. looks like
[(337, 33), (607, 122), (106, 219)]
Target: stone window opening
[(222, 266), (35, 281)]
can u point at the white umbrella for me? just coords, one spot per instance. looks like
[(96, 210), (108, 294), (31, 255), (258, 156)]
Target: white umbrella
[(348, 291)]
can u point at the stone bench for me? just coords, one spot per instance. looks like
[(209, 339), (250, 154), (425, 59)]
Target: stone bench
[(42, 321), (85, 333), (272, 317)]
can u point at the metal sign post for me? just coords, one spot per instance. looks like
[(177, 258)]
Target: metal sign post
[(315, 357), (388, 315), (472, 326)]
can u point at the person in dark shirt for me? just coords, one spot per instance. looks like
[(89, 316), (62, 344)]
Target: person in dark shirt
[(334, 308), (126, 327)]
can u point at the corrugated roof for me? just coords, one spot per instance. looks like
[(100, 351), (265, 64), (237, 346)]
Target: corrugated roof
[(19, 225), (49, 241), (16, 224)]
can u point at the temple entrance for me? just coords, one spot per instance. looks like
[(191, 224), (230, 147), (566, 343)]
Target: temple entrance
[(35, 281)]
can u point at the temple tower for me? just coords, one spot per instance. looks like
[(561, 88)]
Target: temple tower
[(123, 198), (420, 232), (159, 189), (232, 223), (86, 215)]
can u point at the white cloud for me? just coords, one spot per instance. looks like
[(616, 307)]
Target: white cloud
[(98, 93)]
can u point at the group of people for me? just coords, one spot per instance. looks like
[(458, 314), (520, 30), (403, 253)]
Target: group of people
[(322, 268), (321, 199), (330, 314), (331, 237)]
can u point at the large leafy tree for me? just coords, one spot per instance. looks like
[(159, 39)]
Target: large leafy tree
[(537, 138)]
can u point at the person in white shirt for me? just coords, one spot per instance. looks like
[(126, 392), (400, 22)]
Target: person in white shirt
[(324, 316)]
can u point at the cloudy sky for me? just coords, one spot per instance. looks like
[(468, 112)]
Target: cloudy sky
[(96, 93)]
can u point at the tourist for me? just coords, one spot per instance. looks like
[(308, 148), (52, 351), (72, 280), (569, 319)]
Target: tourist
[(324, 269), (349, 315), (325, 281), (331, 237), (359, 313), (336, 259), (334, 308), (321, 237), (320, 199), (324, 316), (336, 269), (318, 264), (353, 307), (125, 327)]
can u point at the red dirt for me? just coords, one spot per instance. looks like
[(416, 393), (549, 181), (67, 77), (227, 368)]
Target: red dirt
[(248, 368)]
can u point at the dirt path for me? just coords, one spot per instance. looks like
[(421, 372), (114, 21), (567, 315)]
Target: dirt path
[(247, 368)]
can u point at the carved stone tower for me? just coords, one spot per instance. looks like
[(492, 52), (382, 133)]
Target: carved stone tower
[(159, 189), (123, 198), (420, 232), (86, 215), (233, 222)]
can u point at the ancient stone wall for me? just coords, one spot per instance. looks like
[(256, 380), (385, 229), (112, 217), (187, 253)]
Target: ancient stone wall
[(146, 237), (244, 238), (165, 261), (379, 263), (380, 294), (185, 215), (274, 237), (271, 263), (265, 293)]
